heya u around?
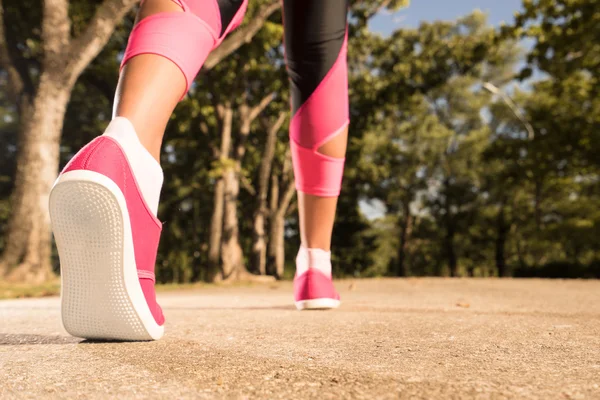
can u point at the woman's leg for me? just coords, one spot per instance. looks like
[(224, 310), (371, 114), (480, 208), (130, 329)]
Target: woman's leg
[(155, 74), (149, 88), (151, 84), (104, 204), (315, 44), (166, 49)]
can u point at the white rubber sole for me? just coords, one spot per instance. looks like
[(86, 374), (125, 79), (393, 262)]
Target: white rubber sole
[(317, 304), (101, 297)]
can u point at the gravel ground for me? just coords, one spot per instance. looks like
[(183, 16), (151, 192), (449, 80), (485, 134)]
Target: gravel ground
[(411, 338)]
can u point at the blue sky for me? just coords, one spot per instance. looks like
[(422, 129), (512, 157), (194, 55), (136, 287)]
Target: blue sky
[(498, 11), (428, 10)]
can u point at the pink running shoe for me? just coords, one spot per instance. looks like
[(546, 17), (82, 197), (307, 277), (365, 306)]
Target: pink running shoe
[(107, 240), (313, 290)]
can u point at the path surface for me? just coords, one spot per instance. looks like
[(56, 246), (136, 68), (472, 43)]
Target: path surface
[(416, 338)]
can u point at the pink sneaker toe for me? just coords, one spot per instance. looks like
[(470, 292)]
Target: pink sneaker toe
[(314, 290)]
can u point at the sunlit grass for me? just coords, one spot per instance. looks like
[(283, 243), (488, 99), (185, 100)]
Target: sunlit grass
[(24, 290)]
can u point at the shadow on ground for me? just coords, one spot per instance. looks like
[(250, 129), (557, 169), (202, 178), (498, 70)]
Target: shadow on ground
[(28, 339)]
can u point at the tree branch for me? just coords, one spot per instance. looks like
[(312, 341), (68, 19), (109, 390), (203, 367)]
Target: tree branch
[(247, 115), (367, 10), (267, 161), (288, 176), (269, 153), (377, 8), (288, 195), (256, 110), (56, 30), (287, 166), (291, 209), (86, 47), (274, 196), (206, 132), (241, 35), (204, 128), (16, 83), (226, 114), (280, 120), (245, 182)]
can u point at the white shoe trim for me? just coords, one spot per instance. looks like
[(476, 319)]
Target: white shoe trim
[(317, 304)]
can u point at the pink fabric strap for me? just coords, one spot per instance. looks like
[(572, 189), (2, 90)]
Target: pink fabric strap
[(186, 38), (316, 173), (181, 37), (143, 274)]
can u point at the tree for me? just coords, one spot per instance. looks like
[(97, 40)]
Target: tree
[(282, 194), (259, 234), (461, 186), (422, 89), (42, 104), (233, 265), (565, 35)]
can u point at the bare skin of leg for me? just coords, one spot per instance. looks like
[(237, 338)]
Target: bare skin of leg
[(317, 214), (149, 88)]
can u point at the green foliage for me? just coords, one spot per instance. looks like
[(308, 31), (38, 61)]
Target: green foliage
[(460, 187), (566, 35)]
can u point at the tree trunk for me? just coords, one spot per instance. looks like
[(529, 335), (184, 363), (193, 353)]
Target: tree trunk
[(280, 204), (538, 204), (272, 246), (28, 245), (450, 253), (279, 233), (503, 270), (405, 232), (216, 232), (27, 252), (232, 265), (259, 242), (521, 253), (225, 114), (259, 239), (232, 257), (278, 238), (28, 236)]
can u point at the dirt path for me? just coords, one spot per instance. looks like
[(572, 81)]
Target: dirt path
[(416, 338)]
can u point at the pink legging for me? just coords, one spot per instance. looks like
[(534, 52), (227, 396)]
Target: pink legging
[(315, 47)]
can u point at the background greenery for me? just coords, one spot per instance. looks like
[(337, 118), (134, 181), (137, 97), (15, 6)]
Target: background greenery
[(463, 181)]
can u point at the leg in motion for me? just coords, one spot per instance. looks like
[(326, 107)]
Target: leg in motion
[(316, 45), (103, 206)]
